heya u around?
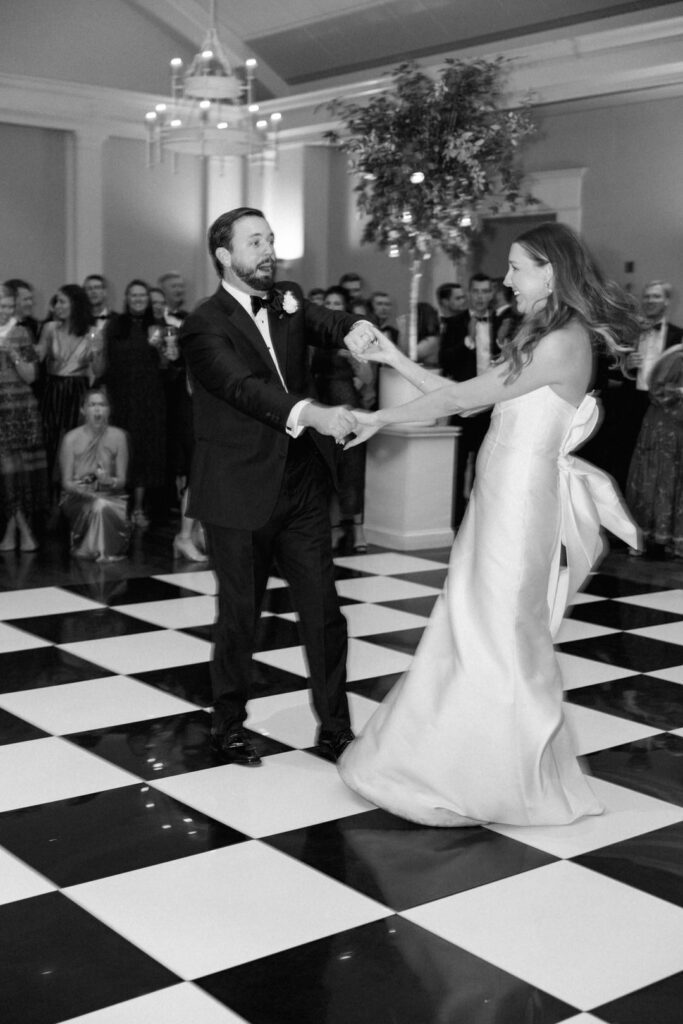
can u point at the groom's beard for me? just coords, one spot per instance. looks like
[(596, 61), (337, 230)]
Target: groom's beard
[(261, 277)]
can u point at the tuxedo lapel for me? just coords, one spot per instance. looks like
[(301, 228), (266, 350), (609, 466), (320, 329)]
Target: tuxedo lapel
[(278, 335), (244, 325)]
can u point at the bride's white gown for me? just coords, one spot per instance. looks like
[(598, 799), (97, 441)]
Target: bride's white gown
[(474, 731)]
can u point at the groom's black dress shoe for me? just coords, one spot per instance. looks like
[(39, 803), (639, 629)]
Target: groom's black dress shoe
[(234, 748), (333, 744)]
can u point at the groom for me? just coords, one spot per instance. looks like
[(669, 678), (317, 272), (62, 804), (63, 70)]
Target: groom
[(264, 451)]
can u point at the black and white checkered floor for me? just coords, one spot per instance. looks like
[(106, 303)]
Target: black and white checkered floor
[(140, 881)]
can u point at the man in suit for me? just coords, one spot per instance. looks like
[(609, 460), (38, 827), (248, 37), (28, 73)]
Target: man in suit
[(468, 345), (263, 454), (626, 399)]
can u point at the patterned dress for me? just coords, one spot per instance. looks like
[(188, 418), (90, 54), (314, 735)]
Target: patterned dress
[(654, 492), (23, 467)]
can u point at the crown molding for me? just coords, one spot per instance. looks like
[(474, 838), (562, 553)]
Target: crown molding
[(613, 65)]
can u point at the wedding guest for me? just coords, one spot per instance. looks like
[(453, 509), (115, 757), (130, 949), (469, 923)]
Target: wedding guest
[(352, 283), (23, 308), (94, 463), (317, 295), (23, 468), (173, 286), (654, 491), (70, 346), (133, 357), (95, 287), (341, 380)]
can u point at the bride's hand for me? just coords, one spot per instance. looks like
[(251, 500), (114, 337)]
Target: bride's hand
[(367, 424), (374, 346)]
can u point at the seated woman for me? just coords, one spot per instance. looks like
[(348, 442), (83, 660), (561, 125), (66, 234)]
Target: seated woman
[(94, 462)]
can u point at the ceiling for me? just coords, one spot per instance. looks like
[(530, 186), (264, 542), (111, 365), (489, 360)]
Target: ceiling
[(309, 44)]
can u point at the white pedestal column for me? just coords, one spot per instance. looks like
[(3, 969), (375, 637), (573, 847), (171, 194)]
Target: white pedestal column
[(85, 203), (409, 487)]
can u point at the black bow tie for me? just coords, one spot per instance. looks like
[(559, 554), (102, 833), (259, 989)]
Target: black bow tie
[(481, 319), (272, 302), (656, 327)]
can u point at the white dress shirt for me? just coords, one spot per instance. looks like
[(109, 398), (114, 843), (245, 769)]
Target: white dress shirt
[(650, 347)]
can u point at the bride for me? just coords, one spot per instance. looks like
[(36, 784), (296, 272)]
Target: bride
[(474, 731)]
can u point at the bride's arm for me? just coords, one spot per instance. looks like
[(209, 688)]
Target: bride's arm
[(556, 360)]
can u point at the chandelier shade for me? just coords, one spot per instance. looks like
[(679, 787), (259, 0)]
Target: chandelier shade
[(211, 111)]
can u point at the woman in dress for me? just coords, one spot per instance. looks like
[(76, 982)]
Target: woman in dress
[(474, 732), (654, 492), (23, 469), (134, 381), (70, 345), (94, 463)]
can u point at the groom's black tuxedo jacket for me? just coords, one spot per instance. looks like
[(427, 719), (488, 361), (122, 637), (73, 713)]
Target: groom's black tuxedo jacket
[(240, 407)]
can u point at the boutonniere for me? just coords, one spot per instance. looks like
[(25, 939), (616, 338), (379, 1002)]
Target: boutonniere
[(290, 303)]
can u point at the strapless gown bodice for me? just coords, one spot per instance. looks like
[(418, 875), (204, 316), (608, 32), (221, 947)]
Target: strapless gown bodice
[(474, 732)]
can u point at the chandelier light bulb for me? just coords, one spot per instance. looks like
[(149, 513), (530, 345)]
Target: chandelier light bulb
[(150, 116), (417, 177), (176, 62), (250, 63), (254, 108), (205, 105), (276, 117), (465, 221), (262, 124), (406, 217), (394, 251), (221, 125), (176, 122), (160, 108), (207, 54)]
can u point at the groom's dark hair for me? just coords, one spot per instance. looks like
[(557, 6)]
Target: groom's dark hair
[(221, 231)]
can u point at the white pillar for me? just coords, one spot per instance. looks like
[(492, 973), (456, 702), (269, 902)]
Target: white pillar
[(85, 204)]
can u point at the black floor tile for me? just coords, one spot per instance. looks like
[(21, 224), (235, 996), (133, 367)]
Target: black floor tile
[(641, 698), (161, 747), (80, 839), (603, 585), (653, 766), (617, 615), (637, 653), (415, 605), (130, 591), (16, 730), (429, 578), (660, 1003), (403, 865), (44, 666), (388, 972), (404, 640), (93, 624), (652, 862), (58, 962), (189, 682), (377, 687)]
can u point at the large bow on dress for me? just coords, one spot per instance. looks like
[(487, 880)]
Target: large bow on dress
[(588, 500)]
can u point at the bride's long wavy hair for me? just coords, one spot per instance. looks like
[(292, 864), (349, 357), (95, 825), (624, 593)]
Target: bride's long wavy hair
[(580, 292)]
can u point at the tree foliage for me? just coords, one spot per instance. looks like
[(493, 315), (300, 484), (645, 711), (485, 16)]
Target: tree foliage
[(451, 128)]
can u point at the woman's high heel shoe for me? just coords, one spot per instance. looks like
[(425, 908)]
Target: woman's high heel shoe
[(184, 547)]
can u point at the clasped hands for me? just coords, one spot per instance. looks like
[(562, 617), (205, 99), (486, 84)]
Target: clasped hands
[(366, 343)]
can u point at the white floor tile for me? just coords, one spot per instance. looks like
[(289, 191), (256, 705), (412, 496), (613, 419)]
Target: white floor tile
[(18, 881), (672, 675), (582, 598), (92, 704), (202, 914), (663, 600), (627, 814), (290, 790), (177, 613), (382, 588), (39, 771), (585, 672), (142, 652), (669, 632), (12, 639), (575, 629), (289, 718), (178, 1004), (389, 563), (366, 619), (594, 730), (583, 1018), (24, 604), (578, 935), (364, 661)]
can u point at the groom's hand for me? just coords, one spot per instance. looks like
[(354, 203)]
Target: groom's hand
[(333, 420), (360, 337)]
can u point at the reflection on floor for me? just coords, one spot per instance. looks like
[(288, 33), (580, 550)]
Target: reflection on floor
[(140, 881)]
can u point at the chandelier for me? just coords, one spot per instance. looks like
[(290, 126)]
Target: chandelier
[(211, 111)]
